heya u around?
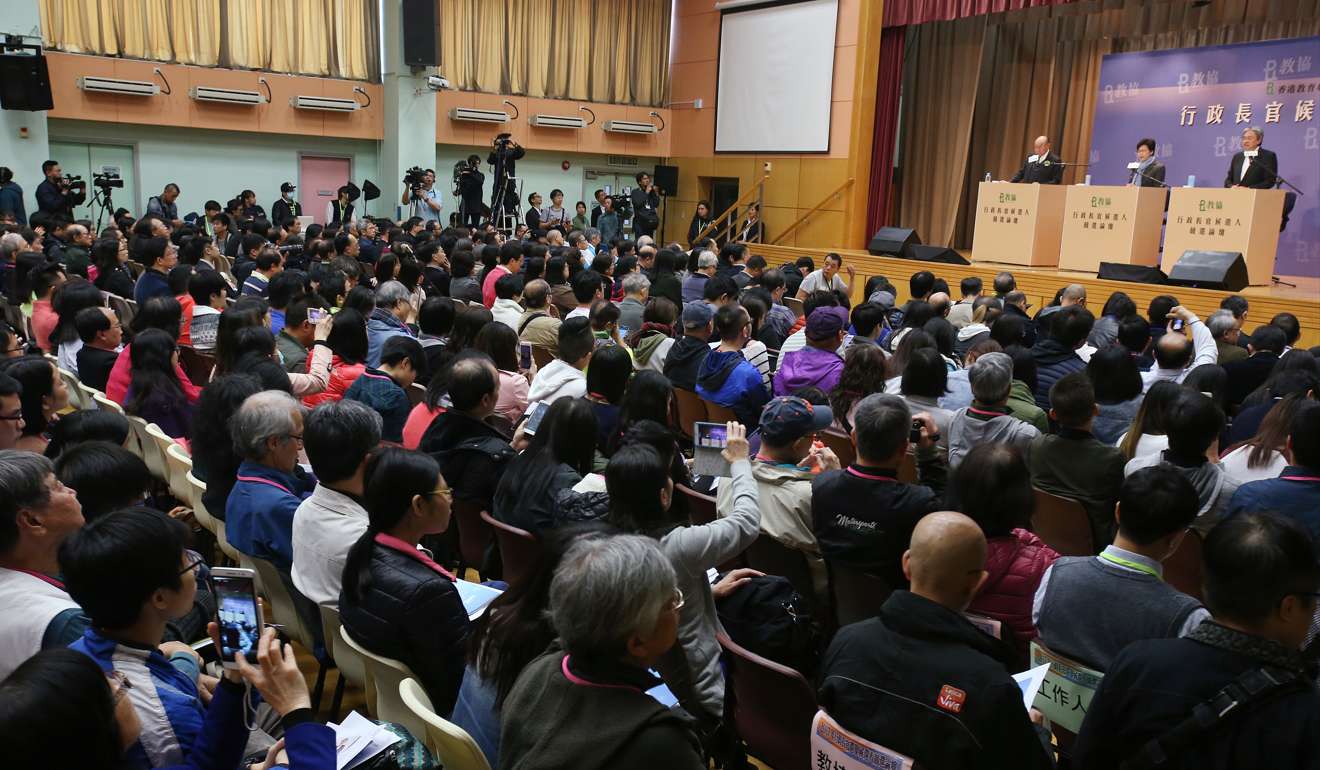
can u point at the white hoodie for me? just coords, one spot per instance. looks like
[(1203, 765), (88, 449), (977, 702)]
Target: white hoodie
[(557, 380)]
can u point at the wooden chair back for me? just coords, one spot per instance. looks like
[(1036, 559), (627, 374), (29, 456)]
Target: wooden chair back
[(691, 410), (520, 551), (772, 707), (839, 443), (1062, 524)]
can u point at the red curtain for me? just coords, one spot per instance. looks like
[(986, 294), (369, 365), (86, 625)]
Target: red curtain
[(899, 13), (888, 88)]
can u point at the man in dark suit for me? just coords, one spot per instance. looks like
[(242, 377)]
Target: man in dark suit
[(1148, 172), (1255, 166), (1244, 376), (1044, 167)]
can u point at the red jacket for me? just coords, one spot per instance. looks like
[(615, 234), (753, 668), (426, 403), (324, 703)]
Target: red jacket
[(1015, 563), (342, 376)]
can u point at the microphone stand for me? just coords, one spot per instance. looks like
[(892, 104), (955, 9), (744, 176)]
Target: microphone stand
[(1139, 173)]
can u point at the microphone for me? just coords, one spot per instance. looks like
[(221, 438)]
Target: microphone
[(1135, 167)]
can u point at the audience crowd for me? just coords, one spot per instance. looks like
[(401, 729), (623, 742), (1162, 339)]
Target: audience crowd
[(368, 404)]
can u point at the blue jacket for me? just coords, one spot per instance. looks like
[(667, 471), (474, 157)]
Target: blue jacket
[(1053, 363), (259, 512), (1295, 494), (727, 378), (11, 199), (165, 699), (379, 391), (381, 326), (152, 283)]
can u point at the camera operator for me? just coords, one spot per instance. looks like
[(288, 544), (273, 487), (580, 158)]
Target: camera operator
[(645, 203), (285, 211), (57, 195), (502, 160), (164, 205), (467, 186), (420, 192)]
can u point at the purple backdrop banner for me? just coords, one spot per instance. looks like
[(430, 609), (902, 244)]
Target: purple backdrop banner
[(1195, 102)]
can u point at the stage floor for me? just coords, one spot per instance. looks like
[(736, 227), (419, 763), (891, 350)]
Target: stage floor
[(1040, 284)]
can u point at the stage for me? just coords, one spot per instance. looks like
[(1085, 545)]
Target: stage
[(1039, 284)]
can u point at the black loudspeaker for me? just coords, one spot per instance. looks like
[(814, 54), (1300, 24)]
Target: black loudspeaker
[(894, 241), (666, 179), (1223, 270), (420, 30), (936, 254), (24, 83), (1118, 271)]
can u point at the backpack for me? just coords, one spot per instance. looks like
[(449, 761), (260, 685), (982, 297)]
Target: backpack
[(770, 618)]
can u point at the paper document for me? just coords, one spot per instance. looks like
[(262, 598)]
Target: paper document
[(1030, 681), (475, 597), (358, 739)]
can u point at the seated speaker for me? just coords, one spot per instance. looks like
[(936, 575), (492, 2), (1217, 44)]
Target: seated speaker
[(894, 242), (1222, 270)]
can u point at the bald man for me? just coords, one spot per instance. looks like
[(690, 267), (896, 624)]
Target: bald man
[(923, 681), (1175, 355), (1042, 166)]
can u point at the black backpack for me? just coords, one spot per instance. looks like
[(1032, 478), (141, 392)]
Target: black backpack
[(770, 618)]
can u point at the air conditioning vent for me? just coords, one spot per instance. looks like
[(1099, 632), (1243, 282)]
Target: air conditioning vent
[(226, 95), (622, 160), (117, 86), (629, 127), (473, 115), (557, 121), (324, 103)]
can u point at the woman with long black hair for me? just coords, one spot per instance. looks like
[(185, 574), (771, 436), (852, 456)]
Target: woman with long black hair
[(154, 391), (557, 459)]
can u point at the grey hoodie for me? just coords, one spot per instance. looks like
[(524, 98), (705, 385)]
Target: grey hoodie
[(557, 380)]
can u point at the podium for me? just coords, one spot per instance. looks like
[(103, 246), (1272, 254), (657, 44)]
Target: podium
[(1021, 224), (1225, 219), (1111, 224)]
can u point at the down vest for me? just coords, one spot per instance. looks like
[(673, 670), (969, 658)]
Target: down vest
[(1015, 563), (1053, 362)]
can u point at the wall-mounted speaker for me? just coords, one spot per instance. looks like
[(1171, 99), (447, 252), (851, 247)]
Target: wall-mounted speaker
[(666, 179), (24, 83), (421, 31)]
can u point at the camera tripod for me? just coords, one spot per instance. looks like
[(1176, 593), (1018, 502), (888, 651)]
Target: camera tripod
[(504, 216), (101, 197)]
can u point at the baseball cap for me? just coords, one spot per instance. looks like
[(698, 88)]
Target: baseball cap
[(287, 187), (697, 314), (788, 418), (884, 299), (826, 322)]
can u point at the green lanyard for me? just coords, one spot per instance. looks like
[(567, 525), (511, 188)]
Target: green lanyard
[(1119, 560)]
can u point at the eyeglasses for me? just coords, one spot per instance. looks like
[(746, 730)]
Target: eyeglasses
[(124, 684), (194, 562), (445, 492), (16, 417), (678, 599), (295, 436)]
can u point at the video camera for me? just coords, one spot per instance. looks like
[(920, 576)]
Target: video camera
[(71, 182), (622, 204), (415, 176), (502, 141), (107, 180)]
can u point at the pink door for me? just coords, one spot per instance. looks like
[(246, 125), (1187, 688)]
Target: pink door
[(319, 179)]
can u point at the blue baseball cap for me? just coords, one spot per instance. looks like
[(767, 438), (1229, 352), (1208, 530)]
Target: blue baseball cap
[(788, 418)]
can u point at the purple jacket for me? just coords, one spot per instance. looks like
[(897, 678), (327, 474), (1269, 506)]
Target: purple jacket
[(808, 367)]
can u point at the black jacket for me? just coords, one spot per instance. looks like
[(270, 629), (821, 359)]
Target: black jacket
[(1247, 374), (922, 680), (1046, 171), (1262, 174), (645, 205), (472, 455), (1150, 176), (94, 365), (412, 613), (282, 212), (683, 363), (668, 286), (697, 225), (1029, 325), (1153, 685), (863, 518), (527, 494), (52, 200), (1054, 360)]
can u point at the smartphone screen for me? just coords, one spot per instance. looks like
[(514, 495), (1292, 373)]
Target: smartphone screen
[(1178, 325), (525, 355), (712, 435), (534, 418), (315, 314), (237, 613)]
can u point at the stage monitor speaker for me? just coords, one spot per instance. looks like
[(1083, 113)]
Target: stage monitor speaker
[(1222, 270), (24, 83), (894, 241), (937, 254), (1121, 271), (666, 180), (420, 32)]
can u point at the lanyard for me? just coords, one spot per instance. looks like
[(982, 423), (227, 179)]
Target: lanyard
[(258, 480), (985, 412), (1300, 478), (1132, 565), (870, 476), (43, 578), (390, 541)]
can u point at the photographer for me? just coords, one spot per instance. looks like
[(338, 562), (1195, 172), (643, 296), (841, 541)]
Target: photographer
[(419, 191), (645, 203), (556, 216), (57, 195), (468, 182), (502, 160), (164, 205)]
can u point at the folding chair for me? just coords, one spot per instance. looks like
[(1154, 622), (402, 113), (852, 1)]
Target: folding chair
[(450, 743), (857, 595), (839, 443), (384, 675), (772, 707), (76, 398), (718, 413), (88, 397), (794, 304), (179, 465), (474, 535), (352, 668), (691, 409), (701, 508), (1062, 524), (196, 364), (146, 447), (416, 393), (1184, 568), (284, 606), (126, 309), (542, 356), (520, 551), (103, 402), (774, 558), (163, 442)]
